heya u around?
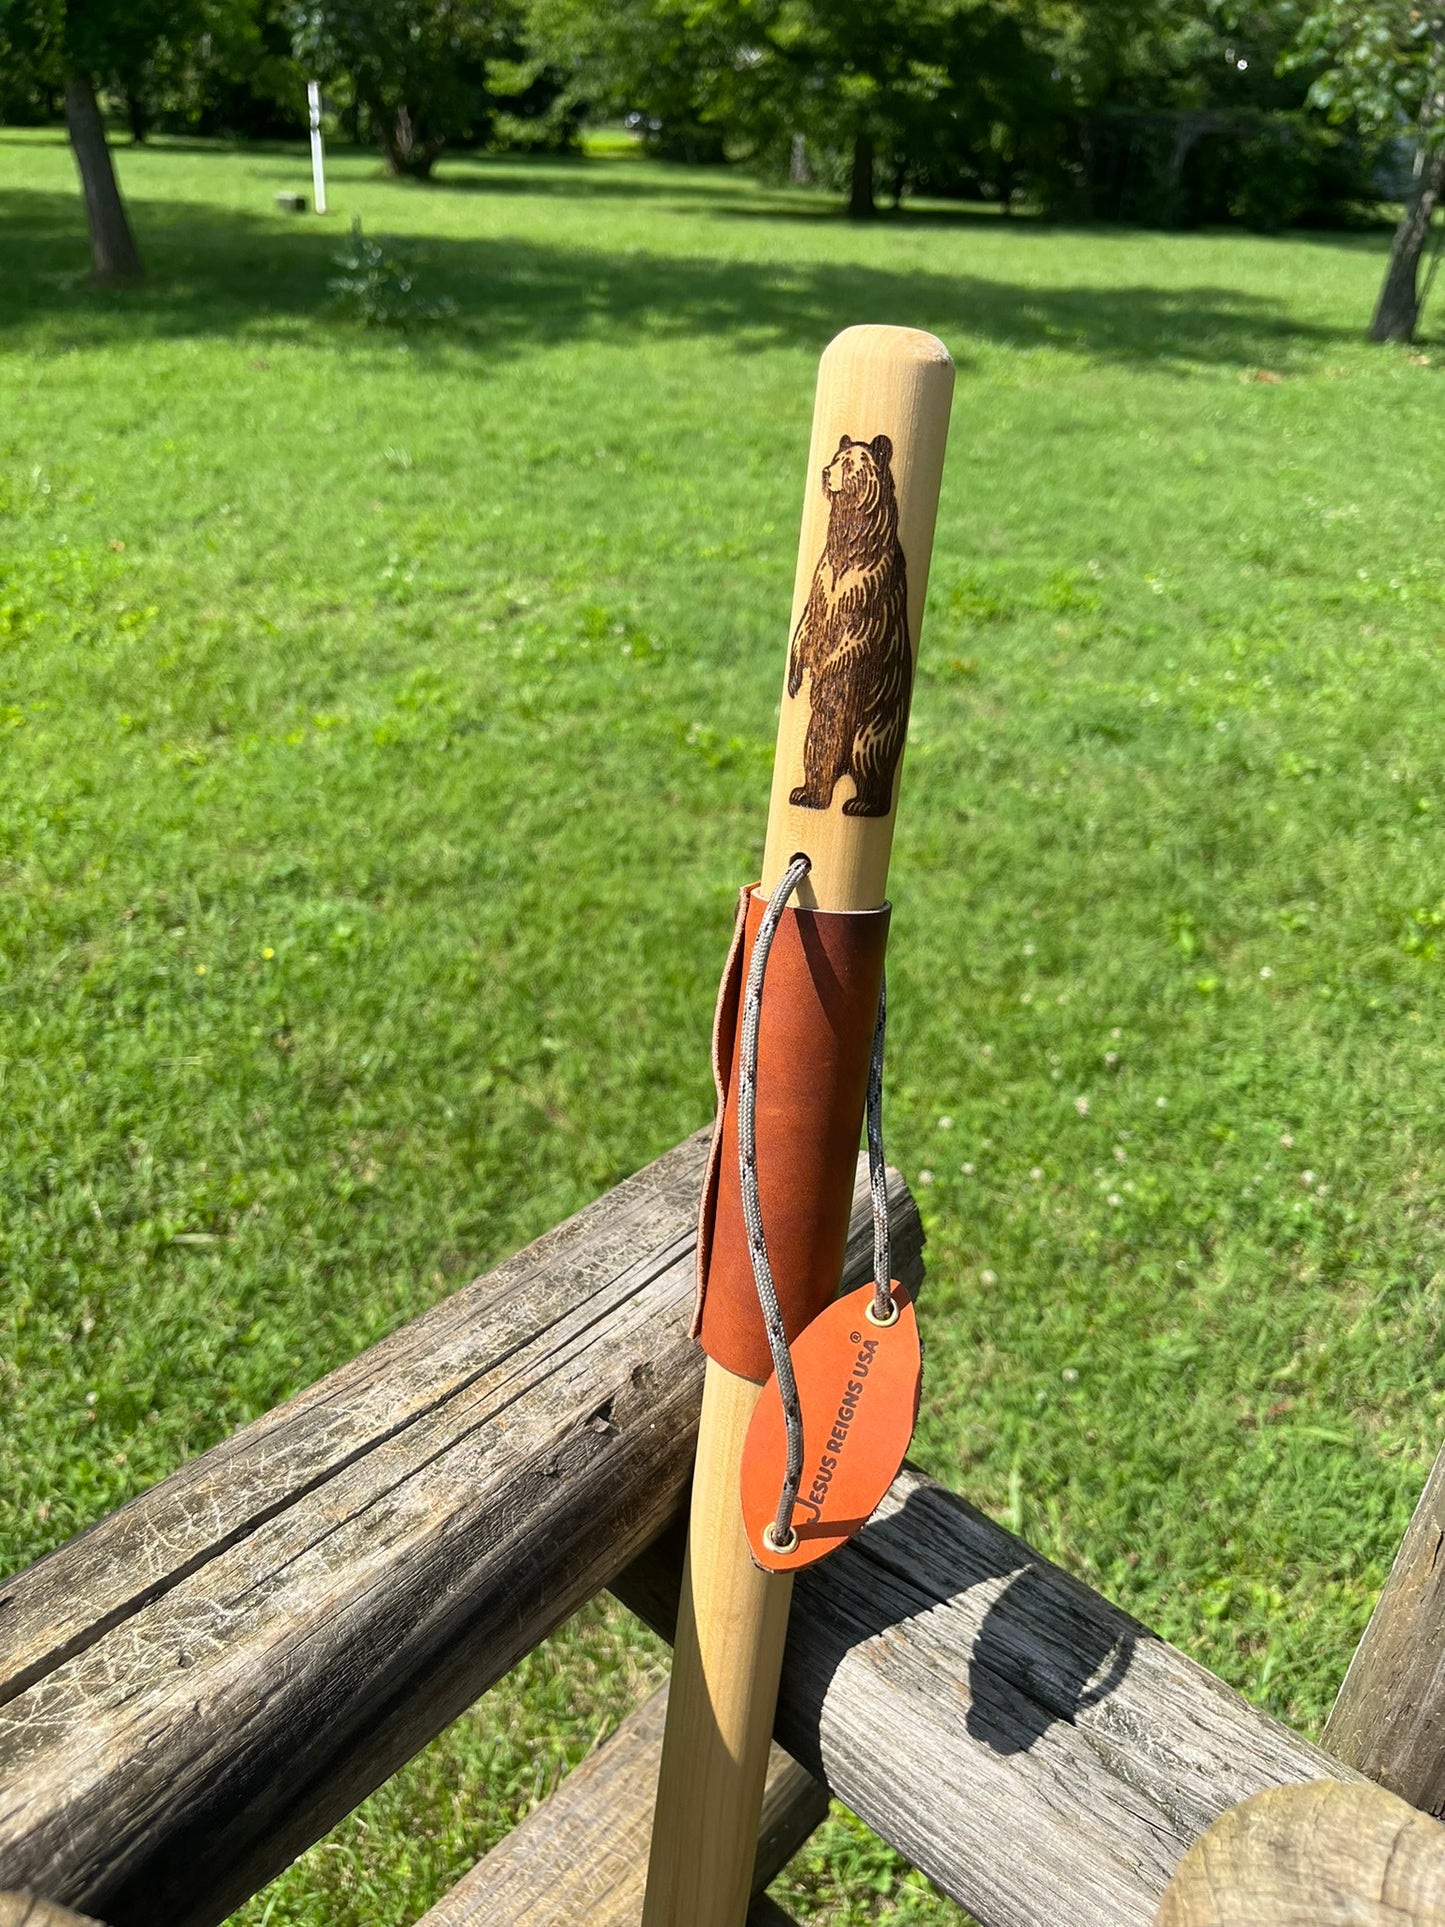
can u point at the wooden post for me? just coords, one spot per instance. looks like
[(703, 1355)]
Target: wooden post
[(1389, 1720), (873, 382), (1321, 1855)]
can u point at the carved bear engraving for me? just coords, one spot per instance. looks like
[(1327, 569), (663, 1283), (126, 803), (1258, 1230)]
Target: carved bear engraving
[(852, 638)]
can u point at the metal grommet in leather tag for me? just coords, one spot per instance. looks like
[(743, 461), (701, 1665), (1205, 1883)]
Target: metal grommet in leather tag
[(858, 1386)]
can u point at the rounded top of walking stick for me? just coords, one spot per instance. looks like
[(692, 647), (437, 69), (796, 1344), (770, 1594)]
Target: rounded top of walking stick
[(875, 464), (869, 338)]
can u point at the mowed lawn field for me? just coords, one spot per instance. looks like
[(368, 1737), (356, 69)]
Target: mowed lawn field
[(385, 726)]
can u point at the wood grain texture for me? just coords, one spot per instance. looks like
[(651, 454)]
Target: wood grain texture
[(732, 1622), (872, 381), (1313, 1856), (27, 1910), (198, 1688), (582, 1854), (1039, 1754), (1389, 1719), (890, 390)]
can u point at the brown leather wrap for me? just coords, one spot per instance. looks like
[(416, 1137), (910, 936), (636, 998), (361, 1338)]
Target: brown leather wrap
[(820, 1003)]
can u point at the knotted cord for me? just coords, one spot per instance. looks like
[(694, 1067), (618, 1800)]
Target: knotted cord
[(883, 1311)]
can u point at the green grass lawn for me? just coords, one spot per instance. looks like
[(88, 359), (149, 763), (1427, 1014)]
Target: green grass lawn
[(385, 726)]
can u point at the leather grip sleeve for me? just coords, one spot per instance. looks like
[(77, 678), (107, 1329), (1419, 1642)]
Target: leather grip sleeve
[(815, 1036)]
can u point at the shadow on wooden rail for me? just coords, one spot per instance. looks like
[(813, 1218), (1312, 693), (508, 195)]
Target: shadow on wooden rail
[(200, 1686)]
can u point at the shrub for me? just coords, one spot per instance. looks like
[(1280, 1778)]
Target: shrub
[(377, 285)]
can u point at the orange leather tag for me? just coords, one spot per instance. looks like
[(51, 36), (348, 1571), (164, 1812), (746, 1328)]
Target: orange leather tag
[(858, 1384)]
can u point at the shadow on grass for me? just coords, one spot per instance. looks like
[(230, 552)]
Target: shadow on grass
[(219, 272)]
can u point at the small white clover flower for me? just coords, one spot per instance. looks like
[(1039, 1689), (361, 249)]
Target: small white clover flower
[(925, 1177), (1081, 1105), (988, 1277), (967, 1170), (1114, 1199)]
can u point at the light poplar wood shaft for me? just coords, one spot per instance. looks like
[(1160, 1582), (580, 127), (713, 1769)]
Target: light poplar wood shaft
[(733, 1620), (580, 1858), (896, 382)]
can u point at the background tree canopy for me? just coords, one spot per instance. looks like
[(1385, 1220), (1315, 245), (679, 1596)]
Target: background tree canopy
[(1164, 112)]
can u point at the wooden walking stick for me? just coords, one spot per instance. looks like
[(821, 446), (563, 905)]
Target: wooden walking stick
[(879, 428)]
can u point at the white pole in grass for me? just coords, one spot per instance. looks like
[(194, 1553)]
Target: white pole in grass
[(318, 161)]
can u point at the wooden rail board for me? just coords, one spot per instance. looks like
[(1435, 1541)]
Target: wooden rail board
[(1039, 1754), (1389, 1720), (581, 1855), (195, 1690), (25, 1910)]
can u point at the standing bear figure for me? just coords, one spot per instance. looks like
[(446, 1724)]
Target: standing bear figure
[(852, 638)]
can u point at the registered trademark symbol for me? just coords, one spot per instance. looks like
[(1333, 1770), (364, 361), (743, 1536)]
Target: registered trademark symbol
[(855, 1338)]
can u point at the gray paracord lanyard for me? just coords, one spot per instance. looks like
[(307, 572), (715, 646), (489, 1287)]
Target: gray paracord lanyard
[(882, 1311)]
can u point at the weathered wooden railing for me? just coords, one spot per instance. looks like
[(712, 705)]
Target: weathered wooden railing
[(196, 1689)]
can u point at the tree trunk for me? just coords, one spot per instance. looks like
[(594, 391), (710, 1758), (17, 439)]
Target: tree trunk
[(1398, 308), (861, 205), (405, 153), (113, 252), (137, 113)]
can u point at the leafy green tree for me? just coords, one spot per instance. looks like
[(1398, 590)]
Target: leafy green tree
[(418, 68), (880, 90), (77, 47), (1383, 61), (158, 58), (232, 72), (983, 111), (900, 87), (243, 78), (666, 61)]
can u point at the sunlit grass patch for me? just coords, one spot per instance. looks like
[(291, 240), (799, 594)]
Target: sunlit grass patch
[(385, 725)]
